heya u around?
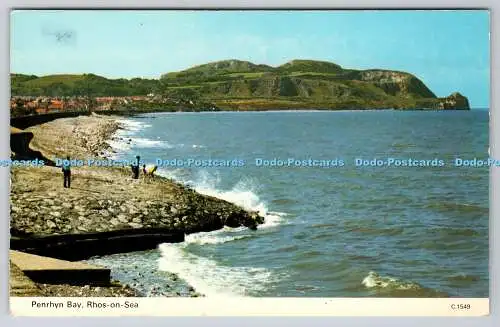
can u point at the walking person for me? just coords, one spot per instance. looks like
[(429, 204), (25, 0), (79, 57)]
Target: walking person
[(66, 169), (135, 168)]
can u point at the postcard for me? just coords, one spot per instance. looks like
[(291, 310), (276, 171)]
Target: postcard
[(269, 162)]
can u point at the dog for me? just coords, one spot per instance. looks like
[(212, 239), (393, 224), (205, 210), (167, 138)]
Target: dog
[(149, 171)]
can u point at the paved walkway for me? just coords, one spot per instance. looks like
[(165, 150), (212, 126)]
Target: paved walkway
[(54, 271)]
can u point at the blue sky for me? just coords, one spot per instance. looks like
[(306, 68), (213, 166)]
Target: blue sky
[(448, 50)]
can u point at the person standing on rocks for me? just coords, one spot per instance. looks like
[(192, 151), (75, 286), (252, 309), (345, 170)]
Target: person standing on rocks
[(135, 168), (66, 169)]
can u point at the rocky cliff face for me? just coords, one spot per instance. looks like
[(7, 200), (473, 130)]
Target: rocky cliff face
[(306, 84), (368, 89), (454, 101), (397, 83)]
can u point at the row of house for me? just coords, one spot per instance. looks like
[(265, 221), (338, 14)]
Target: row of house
[(48, 105), (44, 104), (27, 105)]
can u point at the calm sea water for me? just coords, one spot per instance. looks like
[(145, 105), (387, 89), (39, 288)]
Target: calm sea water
[(330, 232)]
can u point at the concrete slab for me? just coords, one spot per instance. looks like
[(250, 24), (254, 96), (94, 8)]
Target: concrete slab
[(54, 271), (20, 285)]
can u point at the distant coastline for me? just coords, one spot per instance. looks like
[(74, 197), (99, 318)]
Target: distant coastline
[(25, 121), (232, 85)]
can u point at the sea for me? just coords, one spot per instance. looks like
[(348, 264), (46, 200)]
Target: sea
[(340, 221)]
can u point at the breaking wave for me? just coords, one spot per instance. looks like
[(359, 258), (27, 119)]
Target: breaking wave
[(390, 286), (210, 278), (204, 274), (215, 237), (242, 194), (374, 280)]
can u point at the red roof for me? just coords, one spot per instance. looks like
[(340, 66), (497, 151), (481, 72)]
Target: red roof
[(56, 104)]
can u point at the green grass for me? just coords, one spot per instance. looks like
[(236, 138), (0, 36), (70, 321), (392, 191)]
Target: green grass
[(184, 87), (296, 74), (44, 81), (246, 75)]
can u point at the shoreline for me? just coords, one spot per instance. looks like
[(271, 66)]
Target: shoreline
[(105, 199), (24, 122)]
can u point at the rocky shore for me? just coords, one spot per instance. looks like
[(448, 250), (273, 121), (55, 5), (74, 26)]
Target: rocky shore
[(21, 286), (104, 199)]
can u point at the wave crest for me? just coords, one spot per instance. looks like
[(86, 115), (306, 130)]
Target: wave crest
[(394, 287), (213, 237), (374, 280), (210, 278)]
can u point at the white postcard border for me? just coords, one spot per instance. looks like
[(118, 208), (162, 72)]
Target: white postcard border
[(494, 137)]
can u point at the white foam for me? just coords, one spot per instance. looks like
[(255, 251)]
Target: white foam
[(242, 194), (123, 143), (147, 143), (209, 278), (374, 280), (118, 146), (215, 237), (132, 126), (120, 140)]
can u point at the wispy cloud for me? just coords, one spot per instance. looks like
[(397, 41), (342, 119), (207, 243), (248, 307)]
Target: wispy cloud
[(60, 35)]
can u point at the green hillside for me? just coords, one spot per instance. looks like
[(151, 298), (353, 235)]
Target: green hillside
[(242, 85), (78, 85), (311, 66)]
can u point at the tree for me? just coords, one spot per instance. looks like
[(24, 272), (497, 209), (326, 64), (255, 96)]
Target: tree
[(85, 89), (19, 103)]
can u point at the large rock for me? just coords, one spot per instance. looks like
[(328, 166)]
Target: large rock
[(455, 101)]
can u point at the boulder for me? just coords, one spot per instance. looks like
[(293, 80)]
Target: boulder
[(455, 101)]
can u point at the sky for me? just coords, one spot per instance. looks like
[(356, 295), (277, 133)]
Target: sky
[(448, 50)]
